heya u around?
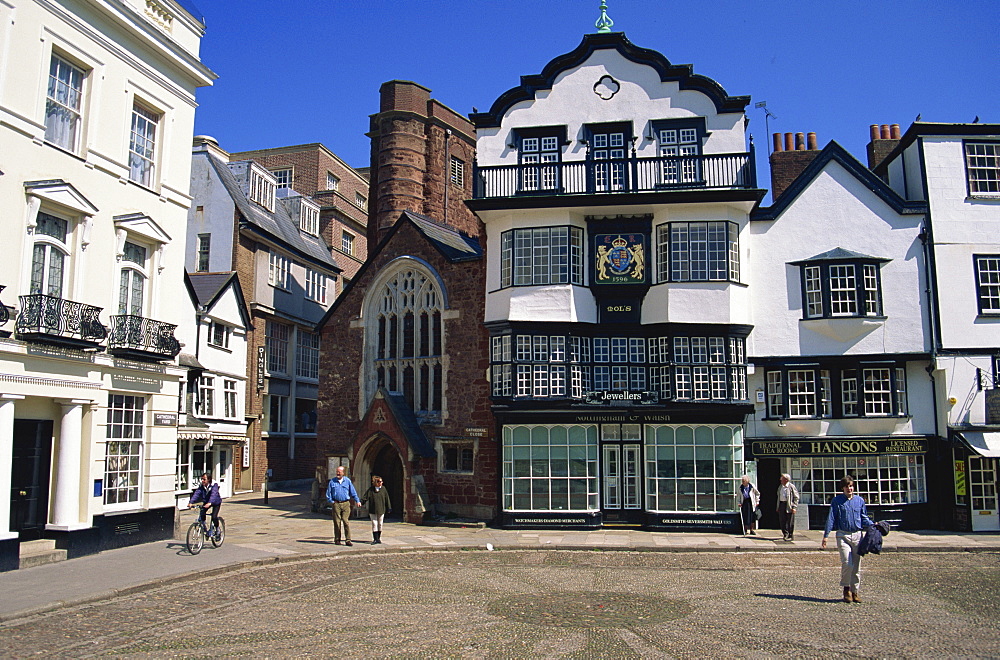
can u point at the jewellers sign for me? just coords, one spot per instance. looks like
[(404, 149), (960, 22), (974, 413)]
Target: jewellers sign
[(832, 447), (621, 397)]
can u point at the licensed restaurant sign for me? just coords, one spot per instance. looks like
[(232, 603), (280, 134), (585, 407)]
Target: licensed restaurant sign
[(838, 447)]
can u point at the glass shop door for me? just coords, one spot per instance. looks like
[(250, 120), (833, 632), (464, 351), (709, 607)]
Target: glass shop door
[(621, 475)]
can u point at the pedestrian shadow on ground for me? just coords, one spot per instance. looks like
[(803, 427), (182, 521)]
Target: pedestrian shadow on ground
[(807, 599)]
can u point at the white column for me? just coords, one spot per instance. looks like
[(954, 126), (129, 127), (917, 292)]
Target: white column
[(6, 461), (67, 475)]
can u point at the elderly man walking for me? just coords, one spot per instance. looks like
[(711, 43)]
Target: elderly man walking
[(342, 496), (788, 502)]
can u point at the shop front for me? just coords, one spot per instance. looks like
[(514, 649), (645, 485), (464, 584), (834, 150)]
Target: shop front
[(889, 472), (630, 469), (976, 461)]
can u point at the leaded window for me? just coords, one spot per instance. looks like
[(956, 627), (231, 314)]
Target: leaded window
[(697, 252), (542, 255)]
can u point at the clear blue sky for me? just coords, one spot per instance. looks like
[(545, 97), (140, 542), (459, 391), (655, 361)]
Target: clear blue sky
[(300, 71)]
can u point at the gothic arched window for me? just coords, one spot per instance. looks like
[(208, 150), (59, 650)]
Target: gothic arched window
[(405, 350)]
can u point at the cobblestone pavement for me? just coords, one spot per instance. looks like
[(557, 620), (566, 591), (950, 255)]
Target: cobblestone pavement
[(541, 603)]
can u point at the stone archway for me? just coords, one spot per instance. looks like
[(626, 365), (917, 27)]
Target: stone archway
[(382, 458)]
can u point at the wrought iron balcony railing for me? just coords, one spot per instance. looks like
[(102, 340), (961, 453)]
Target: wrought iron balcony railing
[(622, 175), (137, 336), (50, 319)]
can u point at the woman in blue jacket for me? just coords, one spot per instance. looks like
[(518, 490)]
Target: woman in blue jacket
[(849, 516)]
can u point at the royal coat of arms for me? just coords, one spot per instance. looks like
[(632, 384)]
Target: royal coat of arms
[(620, 259)]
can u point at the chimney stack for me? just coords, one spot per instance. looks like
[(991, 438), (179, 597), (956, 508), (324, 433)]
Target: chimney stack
[(884, 139), (789, 162)]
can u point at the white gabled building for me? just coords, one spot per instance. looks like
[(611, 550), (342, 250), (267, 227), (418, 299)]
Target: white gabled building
[(97, 101), (213, 422), (955, 170), (840, 342)]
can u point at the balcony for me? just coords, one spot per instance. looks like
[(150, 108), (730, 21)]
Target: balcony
[(140, 338), (52, 320), (625, 175)]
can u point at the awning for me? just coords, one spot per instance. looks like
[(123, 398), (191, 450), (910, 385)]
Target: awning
[(983, 443)]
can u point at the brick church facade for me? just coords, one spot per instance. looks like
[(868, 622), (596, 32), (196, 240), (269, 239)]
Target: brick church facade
[(403, 389)]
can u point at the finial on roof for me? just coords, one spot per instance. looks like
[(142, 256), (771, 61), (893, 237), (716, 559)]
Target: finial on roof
[(604, 23)]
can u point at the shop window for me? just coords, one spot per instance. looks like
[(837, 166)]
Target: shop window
[(692, 468), (550, 468), (123, 450), (881, 479)]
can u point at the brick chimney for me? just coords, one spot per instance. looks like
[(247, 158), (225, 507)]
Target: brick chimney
[(789, 158), (884, 139)]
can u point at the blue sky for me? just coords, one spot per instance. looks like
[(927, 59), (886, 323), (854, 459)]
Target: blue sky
[(310, 71)]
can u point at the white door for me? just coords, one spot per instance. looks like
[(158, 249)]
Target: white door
[(982, 479)]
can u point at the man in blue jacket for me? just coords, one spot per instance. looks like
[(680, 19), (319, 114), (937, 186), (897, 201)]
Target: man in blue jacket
[(848, 515), (341, 494)]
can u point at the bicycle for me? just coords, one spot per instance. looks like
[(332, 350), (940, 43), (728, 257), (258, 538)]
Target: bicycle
[(199, 531)]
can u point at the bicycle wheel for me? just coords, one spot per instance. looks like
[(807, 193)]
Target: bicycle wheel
[(195, 538), (220, 534)]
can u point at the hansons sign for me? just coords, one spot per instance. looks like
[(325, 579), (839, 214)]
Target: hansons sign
[(838, 447)]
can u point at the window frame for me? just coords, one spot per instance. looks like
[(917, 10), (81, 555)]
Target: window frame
[(456, 171), (65, 105), (126, 424), (529, 258), (987, 293), (332, 178), (315, 286), (675, 258), (278, 270), (347, 242), (213, 334), (817, 280), (857, 390), (204, 253), (283, 177), (464, 454), (993, 181), (307, 354), (142, 147), (40, 276), (276, 340), (309, 217)]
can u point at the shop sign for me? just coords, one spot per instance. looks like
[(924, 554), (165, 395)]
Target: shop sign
[(830, 447), (993, 406), (261, 363), (476, 431), (619, 397), (960, 479), (164, 419)]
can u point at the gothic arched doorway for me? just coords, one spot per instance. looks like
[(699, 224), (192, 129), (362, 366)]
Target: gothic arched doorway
[(387, 464)]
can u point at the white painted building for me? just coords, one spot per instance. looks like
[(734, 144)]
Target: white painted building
[(96, 119), (213, 422), (840, 344), (955, 170)]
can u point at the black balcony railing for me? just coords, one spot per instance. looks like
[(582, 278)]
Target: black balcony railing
[(622, 175), (136, 336), (47, 318)]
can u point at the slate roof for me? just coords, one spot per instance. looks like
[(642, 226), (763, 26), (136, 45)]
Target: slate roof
[(452, 244), (207, 285), (838, 253), (407, 422), (278, 225)]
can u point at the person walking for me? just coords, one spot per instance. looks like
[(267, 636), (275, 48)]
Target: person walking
[(341, 495), (848, 515), (788, 502), (377, 500), (748, 499)]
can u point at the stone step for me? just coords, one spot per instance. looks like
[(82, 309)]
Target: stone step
[(40, 552)]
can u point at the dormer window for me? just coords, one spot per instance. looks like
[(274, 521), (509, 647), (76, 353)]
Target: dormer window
[(309, 218), (262, 187), (841, 283)]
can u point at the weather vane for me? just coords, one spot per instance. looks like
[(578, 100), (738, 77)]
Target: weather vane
[(604, 23)]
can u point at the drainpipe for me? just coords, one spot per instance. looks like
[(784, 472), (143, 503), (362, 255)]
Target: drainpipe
[(447, 170)]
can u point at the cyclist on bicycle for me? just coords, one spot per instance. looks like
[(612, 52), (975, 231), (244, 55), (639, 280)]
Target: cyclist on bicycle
[(207, 494)]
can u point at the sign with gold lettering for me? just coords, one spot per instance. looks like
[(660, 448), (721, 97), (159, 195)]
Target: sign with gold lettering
[(837, 446)]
